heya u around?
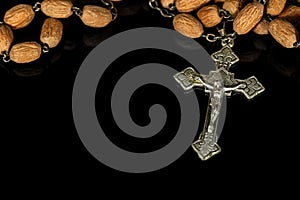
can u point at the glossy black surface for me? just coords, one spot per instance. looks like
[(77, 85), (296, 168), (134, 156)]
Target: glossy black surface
[(39, 139)]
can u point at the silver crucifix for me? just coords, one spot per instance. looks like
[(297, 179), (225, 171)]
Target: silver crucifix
[(217, 83)]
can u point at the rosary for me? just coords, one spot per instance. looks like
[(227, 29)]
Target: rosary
[(279, 18), (262, 17)]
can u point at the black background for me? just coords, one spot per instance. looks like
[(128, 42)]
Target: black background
[(39, 140)]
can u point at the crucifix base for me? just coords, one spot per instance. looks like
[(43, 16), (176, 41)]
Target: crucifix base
[(206, 150)]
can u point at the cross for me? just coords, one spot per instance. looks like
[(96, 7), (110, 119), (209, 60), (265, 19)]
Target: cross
[(217, 83)]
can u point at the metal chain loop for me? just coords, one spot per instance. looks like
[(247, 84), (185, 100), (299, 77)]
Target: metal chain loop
[(297, 45), (45, 48), (77, 11), (111, 7), (6, 57), (211, 37), (36, 7), (224, 13), (263, 2), (163, 11)]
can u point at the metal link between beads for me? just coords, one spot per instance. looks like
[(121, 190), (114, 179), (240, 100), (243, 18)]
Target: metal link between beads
[(110, 5), (77, 11), (36, 7), (224, 13), (297, 45), (6, 57), (263, 2), (45, 48), (163, 11)]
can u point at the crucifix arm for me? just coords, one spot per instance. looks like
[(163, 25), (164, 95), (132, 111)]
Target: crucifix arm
[(228, 89)]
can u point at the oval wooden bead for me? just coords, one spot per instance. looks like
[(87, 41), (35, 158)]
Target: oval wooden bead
[(209, 16), (232, 6), (188, 25), (248, 18), (57, 8), (96, 16), (25, 52), (189, 5), (51, 33), (19, 16), (275, 7), (262, 27), (283, 32), (6, 38), (291, 13)]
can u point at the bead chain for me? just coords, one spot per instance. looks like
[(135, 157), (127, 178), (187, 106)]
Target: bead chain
[(230, 9), (22, 15)]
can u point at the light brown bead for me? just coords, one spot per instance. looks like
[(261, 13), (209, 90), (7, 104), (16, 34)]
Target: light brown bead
[(283, 32), (291, 13), (188, 25), (232, 6), (57, 8), (209, 16), (51, 33), (25, 52), (6, 38), (189, 5), (248, 18), (262, 27), (19, 16), (96, 16), (275, 7)]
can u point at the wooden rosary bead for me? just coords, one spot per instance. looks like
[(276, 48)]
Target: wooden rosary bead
[(189, 5), (188, 25), (57, 8), (6, 38), (25, 52), (96, 16), (283, 32), (262, 27), (291, 13), (275, 7), (51, 33), (19, 16), (209, 16), (248, 18), (232, 6)]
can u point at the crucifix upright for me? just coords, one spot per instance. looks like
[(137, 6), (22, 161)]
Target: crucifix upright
[(217, 83)]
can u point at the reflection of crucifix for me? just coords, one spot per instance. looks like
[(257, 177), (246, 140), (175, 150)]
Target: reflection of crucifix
[(217, 83)]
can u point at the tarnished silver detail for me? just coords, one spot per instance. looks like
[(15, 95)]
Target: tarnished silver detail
[(163, 11), (110, 5), (217, 83), (36, 7), (224, 58)]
